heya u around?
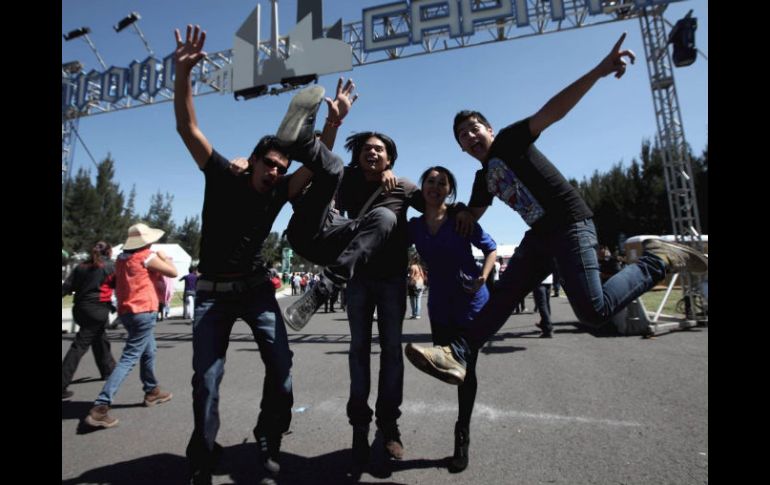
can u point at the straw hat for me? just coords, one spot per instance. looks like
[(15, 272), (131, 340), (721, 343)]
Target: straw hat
[(140, 235)]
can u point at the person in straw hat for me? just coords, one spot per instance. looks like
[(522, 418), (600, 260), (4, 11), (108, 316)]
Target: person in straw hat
[(138, 311)]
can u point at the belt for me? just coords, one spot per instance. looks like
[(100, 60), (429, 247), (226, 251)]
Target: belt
[(230, 286), (216, 286)]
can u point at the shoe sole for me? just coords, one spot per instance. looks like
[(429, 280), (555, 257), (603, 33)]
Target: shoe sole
[(100, 424), (302, 105), (426, 365), (291, 324), (150, 404)]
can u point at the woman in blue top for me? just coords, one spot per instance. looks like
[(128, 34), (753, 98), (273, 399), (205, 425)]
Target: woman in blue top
[(457, 285)]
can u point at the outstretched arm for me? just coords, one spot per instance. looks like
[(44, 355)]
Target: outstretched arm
[(187, 54), (558, 106), (338, 110)]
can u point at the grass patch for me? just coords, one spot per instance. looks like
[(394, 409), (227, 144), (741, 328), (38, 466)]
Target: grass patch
[(652, 300)]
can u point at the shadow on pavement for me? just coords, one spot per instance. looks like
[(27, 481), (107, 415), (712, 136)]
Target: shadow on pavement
[(164, 468)]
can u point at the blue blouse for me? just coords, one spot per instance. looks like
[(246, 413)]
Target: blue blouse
[(447, 254)]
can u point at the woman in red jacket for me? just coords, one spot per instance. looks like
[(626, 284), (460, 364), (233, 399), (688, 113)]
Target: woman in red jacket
[(138, 311)]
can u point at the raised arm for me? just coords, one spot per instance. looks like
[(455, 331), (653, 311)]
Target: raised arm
[(162, 264), (187, 54), (558, 106), (338, 110)]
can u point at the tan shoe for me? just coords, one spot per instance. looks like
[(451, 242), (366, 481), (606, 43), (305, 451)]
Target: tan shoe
[(678, 257), (436, 361)]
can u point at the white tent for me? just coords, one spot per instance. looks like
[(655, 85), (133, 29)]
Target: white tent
[(179, 256), (504, 251)]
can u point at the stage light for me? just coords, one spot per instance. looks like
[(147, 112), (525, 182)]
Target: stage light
[(74, 34), (126, 21)]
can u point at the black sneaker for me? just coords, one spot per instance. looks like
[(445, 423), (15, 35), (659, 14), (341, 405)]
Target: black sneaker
[(269, 450), (298, 313), (298, 124), (200, 477)]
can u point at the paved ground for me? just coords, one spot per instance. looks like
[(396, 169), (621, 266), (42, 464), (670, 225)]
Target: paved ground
[(582, 408)]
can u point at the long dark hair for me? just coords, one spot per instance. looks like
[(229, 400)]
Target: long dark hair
[(101, 252), (450, 177), (354, 143)]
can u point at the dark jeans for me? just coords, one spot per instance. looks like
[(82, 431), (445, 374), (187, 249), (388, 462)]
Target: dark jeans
[(388, 296), (92, 319), (215, 314), (574, 249), (542, 295), (326, 238)]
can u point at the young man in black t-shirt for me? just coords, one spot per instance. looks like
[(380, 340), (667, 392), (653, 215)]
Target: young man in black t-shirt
[(515, 171), (240, 204)]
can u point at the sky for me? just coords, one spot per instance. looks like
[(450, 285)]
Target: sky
[(412, 100)]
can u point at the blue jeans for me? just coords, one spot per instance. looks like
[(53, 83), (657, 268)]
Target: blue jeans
[(388, 295), (414, 300), (215, 314), (140, 346), (574, 249)]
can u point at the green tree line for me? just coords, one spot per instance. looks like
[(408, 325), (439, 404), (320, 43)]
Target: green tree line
[(101, 211), (633, 201)]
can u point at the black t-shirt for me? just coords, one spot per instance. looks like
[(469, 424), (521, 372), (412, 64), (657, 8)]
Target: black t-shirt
[(355, 190), (236, 220), (521, 176), (91, 284)]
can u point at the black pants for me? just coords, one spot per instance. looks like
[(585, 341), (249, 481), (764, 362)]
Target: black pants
[(322, 236), (542, 294), (92, 319), (466, 392)]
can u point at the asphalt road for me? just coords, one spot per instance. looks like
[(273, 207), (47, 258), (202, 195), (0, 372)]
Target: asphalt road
[(581, 408)]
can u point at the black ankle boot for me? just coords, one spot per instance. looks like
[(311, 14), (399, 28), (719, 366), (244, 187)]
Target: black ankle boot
[(460, 459)]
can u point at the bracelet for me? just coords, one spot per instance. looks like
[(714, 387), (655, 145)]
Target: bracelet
[(334, 124)]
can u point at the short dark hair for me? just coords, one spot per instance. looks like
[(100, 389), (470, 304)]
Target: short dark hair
[(464, 115), (265, 144), (450, 177), (355, 142)]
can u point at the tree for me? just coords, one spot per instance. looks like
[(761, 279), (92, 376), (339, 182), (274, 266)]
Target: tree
[(129, 215), (189, 236), (271, 250), (81, 208), (109, 218), (159, 215), (633, 201)]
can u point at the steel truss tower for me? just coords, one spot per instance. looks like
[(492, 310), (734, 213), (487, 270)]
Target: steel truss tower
[(677, 166)]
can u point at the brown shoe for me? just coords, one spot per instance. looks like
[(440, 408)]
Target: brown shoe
[(156, 396), (98, 417)]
